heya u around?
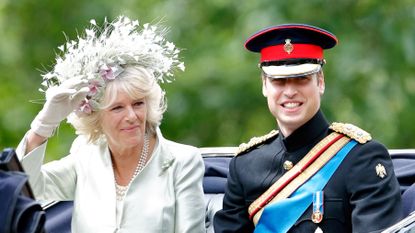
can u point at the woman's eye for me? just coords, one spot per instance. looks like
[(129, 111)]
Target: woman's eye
[(115, 108), (139, 103)]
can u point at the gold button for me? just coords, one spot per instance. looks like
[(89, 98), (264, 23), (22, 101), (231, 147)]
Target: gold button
[(288, 165)]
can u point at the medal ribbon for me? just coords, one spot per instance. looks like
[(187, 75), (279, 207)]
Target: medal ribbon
[(318, 207)]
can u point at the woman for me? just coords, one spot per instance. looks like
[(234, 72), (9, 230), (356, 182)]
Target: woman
[(121, 173)]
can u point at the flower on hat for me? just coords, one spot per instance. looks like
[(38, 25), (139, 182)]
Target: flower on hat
[(101, 53)]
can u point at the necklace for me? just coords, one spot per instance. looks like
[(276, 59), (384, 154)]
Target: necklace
[(122, 190)]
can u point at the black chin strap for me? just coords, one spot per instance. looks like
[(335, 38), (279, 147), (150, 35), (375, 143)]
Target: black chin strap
[(298, 61)]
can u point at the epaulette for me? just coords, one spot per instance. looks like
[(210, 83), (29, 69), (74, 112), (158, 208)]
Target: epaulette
[(255, 141), (351, 131)]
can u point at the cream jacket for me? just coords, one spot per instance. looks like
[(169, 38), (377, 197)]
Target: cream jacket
[(167, 196)]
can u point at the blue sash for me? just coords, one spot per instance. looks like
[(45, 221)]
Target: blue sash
[(282, 215)]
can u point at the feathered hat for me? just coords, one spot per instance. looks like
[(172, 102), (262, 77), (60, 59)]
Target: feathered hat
[(101, 53)]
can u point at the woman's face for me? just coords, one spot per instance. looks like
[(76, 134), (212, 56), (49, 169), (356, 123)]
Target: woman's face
[(124, 121)]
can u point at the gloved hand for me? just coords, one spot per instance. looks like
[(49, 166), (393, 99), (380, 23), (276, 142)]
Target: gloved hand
[(60, 102)]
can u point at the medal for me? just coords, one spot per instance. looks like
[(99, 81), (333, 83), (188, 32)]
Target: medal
[(318, 207)]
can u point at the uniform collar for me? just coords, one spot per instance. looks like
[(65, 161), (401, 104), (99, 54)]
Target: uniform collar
[(308, 133)]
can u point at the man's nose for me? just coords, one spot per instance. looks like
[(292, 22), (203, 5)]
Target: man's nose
[(290, 90)]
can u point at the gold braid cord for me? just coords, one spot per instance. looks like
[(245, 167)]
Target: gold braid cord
[(303, 175)]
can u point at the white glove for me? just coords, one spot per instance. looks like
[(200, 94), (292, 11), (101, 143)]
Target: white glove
[(60, 102)]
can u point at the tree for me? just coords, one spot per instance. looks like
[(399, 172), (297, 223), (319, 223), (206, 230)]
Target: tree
[(217, 101)]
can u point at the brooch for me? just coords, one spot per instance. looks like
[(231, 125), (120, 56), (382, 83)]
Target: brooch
[(166, 164)]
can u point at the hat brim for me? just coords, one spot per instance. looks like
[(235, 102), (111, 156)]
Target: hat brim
[(291, 71)]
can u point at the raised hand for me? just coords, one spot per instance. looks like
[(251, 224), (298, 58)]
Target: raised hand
[(60, 102)]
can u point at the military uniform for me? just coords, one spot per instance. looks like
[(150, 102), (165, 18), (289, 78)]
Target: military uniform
[(306, 180), (357, 198)]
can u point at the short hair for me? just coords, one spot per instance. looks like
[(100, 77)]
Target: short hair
[(138, 83)]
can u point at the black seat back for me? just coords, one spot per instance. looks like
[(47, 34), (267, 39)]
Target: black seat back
[(404, 165)]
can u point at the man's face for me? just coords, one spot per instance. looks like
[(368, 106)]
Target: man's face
[(293, 101)]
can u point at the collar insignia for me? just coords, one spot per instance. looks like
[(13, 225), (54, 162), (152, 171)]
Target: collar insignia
[(288, 47), (255, 141), (351, 131), (381, 171)]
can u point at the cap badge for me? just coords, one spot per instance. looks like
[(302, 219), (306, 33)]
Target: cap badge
[(381, 171), (288, 47)]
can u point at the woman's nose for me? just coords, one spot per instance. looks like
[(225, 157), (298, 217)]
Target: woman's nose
[(131, 115)]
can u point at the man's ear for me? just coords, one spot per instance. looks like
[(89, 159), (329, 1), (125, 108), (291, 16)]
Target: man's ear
[(321, 83), (264, 87), (322, 89)]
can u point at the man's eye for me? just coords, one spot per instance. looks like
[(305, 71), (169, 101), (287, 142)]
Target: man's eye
[(279, 81)]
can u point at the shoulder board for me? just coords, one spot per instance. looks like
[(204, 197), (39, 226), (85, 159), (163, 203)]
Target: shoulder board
[(351, 131), (255, 141)]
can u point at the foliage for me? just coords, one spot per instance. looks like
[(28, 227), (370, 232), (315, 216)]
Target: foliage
[(217, 101)]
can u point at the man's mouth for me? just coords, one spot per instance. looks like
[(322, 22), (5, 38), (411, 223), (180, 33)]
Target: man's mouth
[(291, 105)]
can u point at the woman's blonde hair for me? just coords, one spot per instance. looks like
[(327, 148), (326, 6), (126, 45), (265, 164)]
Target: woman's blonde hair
[(138, 83)]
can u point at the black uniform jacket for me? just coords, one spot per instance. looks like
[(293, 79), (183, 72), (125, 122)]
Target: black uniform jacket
[(356, 198)]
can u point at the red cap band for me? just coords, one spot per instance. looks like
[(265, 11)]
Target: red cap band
[(279, 52)]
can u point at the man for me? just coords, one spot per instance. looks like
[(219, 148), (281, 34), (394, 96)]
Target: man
[(310, 176)]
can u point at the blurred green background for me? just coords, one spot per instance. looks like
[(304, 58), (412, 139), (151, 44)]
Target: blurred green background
[(217, 101)]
